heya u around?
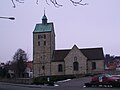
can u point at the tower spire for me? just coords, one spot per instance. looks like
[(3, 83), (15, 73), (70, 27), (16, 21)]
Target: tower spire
[(44, 18), (44, 10)]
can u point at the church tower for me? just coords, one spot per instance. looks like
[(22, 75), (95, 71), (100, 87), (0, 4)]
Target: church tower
[(43, 47)]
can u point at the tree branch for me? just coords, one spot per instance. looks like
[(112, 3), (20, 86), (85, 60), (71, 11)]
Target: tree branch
[(13, 3), (19, 1), (54, 2), (37, 1), (78, 2), (47, 2)]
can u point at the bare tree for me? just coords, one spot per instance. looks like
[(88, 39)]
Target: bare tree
[(19, 1), (19, 62), (54, 2)]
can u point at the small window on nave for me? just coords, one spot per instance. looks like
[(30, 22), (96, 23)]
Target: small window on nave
[(60, 68)]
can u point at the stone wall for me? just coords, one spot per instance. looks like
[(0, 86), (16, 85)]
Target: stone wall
[(42, 54), (75, 55), (99, 66), (54, 68)]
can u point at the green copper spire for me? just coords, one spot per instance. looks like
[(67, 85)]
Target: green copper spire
[(44, 18)]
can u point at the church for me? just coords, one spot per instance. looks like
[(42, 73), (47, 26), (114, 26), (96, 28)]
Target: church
[(47, 61)]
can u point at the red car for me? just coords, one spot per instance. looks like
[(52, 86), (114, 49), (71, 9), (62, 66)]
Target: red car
[(104, 78)]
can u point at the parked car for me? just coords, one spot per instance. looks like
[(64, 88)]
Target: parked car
[(105, 78)]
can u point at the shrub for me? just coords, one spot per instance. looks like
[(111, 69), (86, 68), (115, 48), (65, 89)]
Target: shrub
[(44, 79)]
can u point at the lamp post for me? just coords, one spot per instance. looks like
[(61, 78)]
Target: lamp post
[(11, 18)]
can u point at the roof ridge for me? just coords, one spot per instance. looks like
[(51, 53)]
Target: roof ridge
[(92, 48), (62, 49), (47, 23)]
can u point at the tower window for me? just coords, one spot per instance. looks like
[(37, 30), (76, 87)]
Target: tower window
[(44, 43), (75, 66), (38, 43), (43, 67), (39, 36), (60, 68), (44, 36)]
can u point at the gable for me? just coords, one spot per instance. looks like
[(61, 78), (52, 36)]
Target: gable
[(75, 51)]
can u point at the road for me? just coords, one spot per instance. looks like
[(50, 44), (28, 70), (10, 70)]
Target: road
[(75, 84)]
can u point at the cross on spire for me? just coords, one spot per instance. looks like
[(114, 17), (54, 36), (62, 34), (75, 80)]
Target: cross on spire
[(44, 10)]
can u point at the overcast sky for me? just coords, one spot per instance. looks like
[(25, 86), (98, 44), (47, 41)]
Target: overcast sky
[(94, 25)]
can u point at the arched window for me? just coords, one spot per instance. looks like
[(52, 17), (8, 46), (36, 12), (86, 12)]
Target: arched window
[(44, 43), (60, 67), (75, 66), (44, 36), (43, 67), (39, 36), (93, 65), (38, 43)]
